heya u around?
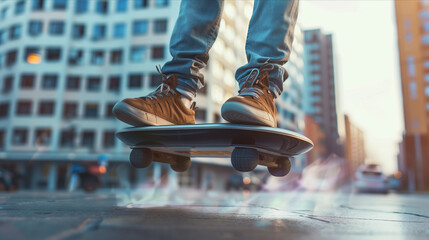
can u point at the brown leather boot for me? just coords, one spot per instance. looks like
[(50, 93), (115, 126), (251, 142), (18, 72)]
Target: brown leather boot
[(254, 104), (162, 107)]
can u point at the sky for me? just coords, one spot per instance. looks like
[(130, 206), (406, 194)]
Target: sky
[(366, 69)]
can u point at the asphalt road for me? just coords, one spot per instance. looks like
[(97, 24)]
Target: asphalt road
[(210, 215)]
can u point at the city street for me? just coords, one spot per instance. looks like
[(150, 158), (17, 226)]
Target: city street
[(211, 215)]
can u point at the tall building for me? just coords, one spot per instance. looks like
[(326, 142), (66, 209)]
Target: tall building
[(320, 98), (354, 145), (290, 109), (63, 65), (412, 20)]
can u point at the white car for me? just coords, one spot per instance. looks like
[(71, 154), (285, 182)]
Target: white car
[(369, 178)]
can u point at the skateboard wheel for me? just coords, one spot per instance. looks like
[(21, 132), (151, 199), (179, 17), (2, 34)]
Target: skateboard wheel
[(282, 169), (181, 164), (140, 157), (244, 159)]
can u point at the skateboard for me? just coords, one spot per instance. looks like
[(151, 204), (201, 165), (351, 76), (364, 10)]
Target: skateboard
[(248, 146)]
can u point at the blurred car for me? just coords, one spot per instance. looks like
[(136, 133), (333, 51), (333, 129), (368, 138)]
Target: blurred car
[(370, 178)]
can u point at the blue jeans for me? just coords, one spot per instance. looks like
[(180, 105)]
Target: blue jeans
[(269, 38)]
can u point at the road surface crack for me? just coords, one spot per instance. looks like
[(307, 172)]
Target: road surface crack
[(396, 212), (89, 224)]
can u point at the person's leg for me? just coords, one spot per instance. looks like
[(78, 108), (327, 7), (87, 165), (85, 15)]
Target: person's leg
[(268, 46), (171, 103), (195, 32), (269, 39)]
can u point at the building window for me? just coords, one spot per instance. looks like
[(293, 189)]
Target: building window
[(56, 28), (426, 27), (135, 80), (73, 83), (81, 6), (23, 108), (162, 3), (35, 28), (427, 91), (93, 84), (408, 37), (2, 36), (15, 32), (19, 7), (46, 108), (75, 57), (114, 83), (138, 54), (67, 138), (8, 84), (27, 81), (70, 110), (109, 109), (97, 57), (99, 32), (200, 114), (121, 5), (407, 24), (140, 27), (19, 136), (102, 6), (88, 139), (49, 81), (116, 56), (160, 26), (60, 4), (43, 136), (29, 51), (413, 89), (78, 31), (1, 60), (4, 13), (109, 139), (119, 30), (411, 66), (424, 14), (155, 79), (425, 39), (158, 52), (4, 110), (11, 57), (139, 4), (38, 5), (2, 138), (53, 54), (91, 110), (426, 77)]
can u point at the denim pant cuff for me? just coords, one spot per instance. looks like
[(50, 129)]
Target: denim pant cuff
[(185, 89)]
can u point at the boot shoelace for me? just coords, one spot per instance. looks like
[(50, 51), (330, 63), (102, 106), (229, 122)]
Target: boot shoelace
[(255, 91), (163, 89)]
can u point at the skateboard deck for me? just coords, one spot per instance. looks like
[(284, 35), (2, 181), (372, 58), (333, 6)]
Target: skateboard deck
[(247, 145)]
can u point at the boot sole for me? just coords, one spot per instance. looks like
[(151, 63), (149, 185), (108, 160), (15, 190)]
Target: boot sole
[(137, 117), (235, 112)]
